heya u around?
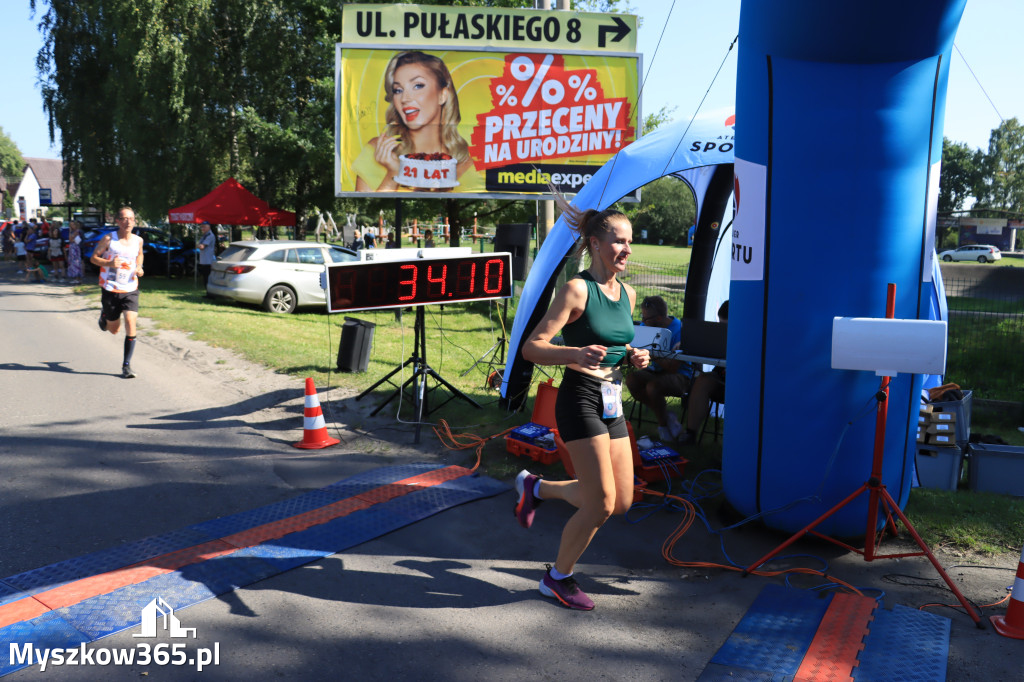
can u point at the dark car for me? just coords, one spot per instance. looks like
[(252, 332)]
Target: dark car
[(162, 253)]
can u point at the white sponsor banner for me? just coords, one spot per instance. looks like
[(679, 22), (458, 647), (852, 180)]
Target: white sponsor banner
[(748, 225)]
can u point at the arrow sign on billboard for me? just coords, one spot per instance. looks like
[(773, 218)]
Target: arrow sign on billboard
[(621, 30)]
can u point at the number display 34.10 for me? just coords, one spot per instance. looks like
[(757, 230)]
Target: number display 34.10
[(362, 286)]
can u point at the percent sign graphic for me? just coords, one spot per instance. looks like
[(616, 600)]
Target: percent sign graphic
[(523, 69), (580, 86), (506, 94), (551, 90)]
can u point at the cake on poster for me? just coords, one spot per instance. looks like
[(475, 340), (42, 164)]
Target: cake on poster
[(427, 171)]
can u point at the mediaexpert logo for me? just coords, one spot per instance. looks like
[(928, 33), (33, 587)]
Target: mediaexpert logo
[(157, 616)]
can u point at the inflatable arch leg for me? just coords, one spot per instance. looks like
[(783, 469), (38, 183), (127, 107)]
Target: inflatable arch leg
[(838, 138)]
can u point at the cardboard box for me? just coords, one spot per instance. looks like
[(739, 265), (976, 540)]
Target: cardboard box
[(924, 419), (947, 428), (938, 467), (996, 469), (943, 417), (920, 435), (941, 439), (962, 411), (926, 408)]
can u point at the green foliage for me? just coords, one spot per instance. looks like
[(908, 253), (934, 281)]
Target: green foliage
[(11, 161), (160, 101), (667, 210), (961, 174), (654, 121), (1003, 186)]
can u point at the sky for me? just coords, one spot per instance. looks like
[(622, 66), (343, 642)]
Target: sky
[(678, 71)]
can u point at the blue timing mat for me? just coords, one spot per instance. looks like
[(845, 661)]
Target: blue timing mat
[(81, 600), (795, 634)]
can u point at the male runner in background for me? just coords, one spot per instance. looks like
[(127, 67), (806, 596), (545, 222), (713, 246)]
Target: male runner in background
[(120, 263)]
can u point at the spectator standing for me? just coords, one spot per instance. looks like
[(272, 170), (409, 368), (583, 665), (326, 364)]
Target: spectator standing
[(32, 270), (75, 252), (20, 253), (7, 239), (392, 242), (428, 239), (207, 253), (55, 252), (120, 263)]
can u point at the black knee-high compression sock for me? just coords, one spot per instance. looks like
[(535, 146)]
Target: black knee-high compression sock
[(129, 348)]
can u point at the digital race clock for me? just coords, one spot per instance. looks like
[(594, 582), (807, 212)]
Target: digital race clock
[(421, 281)]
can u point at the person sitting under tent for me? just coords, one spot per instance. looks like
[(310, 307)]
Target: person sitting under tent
[(708, 387), (664, 378)]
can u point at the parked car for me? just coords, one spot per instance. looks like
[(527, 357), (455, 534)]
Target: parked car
[(164, 254), (278, 275), (983, 253)]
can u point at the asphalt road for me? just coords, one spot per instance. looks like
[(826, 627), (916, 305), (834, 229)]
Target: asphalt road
[(90, 460)]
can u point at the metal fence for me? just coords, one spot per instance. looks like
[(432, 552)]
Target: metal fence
[(985, 347)]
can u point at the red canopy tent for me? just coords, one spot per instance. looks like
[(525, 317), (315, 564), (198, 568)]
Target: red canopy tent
[(232, 204)]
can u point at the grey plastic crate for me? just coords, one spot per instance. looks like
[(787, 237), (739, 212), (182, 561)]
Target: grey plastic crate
[(996, 469), (962, 408), (938, 467)]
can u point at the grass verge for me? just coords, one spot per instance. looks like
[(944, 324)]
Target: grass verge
[(457, 337)]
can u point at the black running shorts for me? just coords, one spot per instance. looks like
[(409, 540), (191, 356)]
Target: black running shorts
[(579, 407), (114, 304)]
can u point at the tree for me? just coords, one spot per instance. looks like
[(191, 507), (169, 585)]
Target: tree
[(11, 163), (961, 175), (666, 211), (158, 101), (654, 121), (1003, 166)]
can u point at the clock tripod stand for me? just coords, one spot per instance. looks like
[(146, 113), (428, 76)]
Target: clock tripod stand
[(421, 371)]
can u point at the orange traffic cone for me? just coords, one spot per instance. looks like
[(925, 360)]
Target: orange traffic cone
[(1012, 624), (314, 428)]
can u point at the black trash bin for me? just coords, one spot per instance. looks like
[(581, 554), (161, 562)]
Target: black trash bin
[(355, 346)]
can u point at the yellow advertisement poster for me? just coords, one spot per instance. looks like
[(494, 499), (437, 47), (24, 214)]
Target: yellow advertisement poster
[(479, 123)]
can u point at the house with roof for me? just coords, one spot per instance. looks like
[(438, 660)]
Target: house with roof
[(39, 174)]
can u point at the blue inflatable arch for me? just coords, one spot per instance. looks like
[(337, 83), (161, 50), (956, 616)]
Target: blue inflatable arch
[(699, 152), (839, 110)]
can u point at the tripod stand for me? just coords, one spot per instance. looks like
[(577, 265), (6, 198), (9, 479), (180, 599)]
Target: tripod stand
[(420, 372), (878, 498)]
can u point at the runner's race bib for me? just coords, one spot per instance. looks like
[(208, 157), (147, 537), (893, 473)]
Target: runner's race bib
[(611, 396)]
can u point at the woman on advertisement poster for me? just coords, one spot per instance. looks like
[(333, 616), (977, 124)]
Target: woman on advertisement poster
[(421, 148)]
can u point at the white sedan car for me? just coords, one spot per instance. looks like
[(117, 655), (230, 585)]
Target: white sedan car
[(280, 275), (983, 253)]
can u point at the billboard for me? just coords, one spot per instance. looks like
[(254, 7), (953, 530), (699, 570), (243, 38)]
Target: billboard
[(461, 101)]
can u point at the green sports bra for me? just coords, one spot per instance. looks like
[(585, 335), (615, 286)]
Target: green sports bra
[(604, 322)]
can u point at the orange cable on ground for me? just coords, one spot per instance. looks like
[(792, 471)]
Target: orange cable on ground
[(922, 607), (464, 441), (684, 526)]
